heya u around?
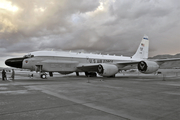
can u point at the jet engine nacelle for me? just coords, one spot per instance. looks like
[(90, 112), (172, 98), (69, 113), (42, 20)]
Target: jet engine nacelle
[(147, 67), (107, 70)]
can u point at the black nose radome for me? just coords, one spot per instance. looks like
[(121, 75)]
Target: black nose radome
[(14, 62)]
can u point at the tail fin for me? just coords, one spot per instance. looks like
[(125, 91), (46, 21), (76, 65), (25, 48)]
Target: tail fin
[(143, 50)]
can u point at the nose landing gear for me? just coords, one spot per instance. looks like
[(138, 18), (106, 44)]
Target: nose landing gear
[(43, 75)]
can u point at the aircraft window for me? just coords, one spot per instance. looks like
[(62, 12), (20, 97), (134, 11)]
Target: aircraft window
[(24, 56), (28, 56)]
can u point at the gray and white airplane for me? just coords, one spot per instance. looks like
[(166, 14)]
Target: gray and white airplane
[(104, 65)]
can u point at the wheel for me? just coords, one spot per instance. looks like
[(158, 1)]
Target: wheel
[(43, 76), (113, 76), (93, 74), (77, 73), (90, 74), (86, 74), (51, 74)]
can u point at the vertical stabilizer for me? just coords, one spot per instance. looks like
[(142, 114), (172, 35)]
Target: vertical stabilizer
[(143, 49)]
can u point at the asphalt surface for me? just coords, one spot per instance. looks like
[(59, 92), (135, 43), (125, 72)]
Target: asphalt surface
[(126, 97)]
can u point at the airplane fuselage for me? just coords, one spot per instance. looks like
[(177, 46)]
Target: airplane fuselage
[(53, 61)]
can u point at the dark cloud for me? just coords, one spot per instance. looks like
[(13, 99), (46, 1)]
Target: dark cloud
[(101, 26)]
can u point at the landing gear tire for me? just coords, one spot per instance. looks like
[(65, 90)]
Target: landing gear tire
[(77, 73), (86, 74), (51, 74), (43, 76), (113, 76), (90, 74), (94, 74)]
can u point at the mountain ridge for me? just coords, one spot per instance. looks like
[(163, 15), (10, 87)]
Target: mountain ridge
[(168, 65)]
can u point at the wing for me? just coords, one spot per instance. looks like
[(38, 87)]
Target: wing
[(161, 61), (126, 63), (158, 61), (94, 67), (121, 65)]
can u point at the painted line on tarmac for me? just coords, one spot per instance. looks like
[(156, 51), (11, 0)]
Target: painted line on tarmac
[(92, 105)]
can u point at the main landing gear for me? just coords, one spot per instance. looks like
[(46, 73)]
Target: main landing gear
[(41, 73), (90, 74), (77, 73), (51, 74)]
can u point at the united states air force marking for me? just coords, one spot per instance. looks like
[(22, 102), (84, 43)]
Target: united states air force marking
[(100, 61)]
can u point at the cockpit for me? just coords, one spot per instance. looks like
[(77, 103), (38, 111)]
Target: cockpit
[(28, 56)]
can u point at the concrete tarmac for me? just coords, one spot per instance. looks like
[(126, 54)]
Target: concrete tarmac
[(128, 97)]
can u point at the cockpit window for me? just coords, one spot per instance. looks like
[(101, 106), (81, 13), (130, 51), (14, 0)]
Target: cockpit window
[(28, 56)]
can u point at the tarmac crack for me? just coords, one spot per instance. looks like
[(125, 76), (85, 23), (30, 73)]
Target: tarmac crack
[(93, 106), (167, 114), (87, 104), (32, 110)]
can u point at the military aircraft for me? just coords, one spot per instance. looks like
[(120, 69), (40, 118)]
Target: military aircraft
[(91, 64)]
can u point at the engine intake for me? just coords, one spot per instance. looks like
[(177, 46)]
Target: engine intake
[(107, 70), (147, 67)]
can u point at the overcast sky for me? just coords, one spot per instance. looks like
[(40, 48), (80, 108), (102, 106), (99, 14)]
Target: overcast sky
[(100, 26)]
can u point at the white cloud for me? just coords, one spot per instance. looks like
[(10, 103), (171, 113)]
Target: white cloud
[(114, 26)]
